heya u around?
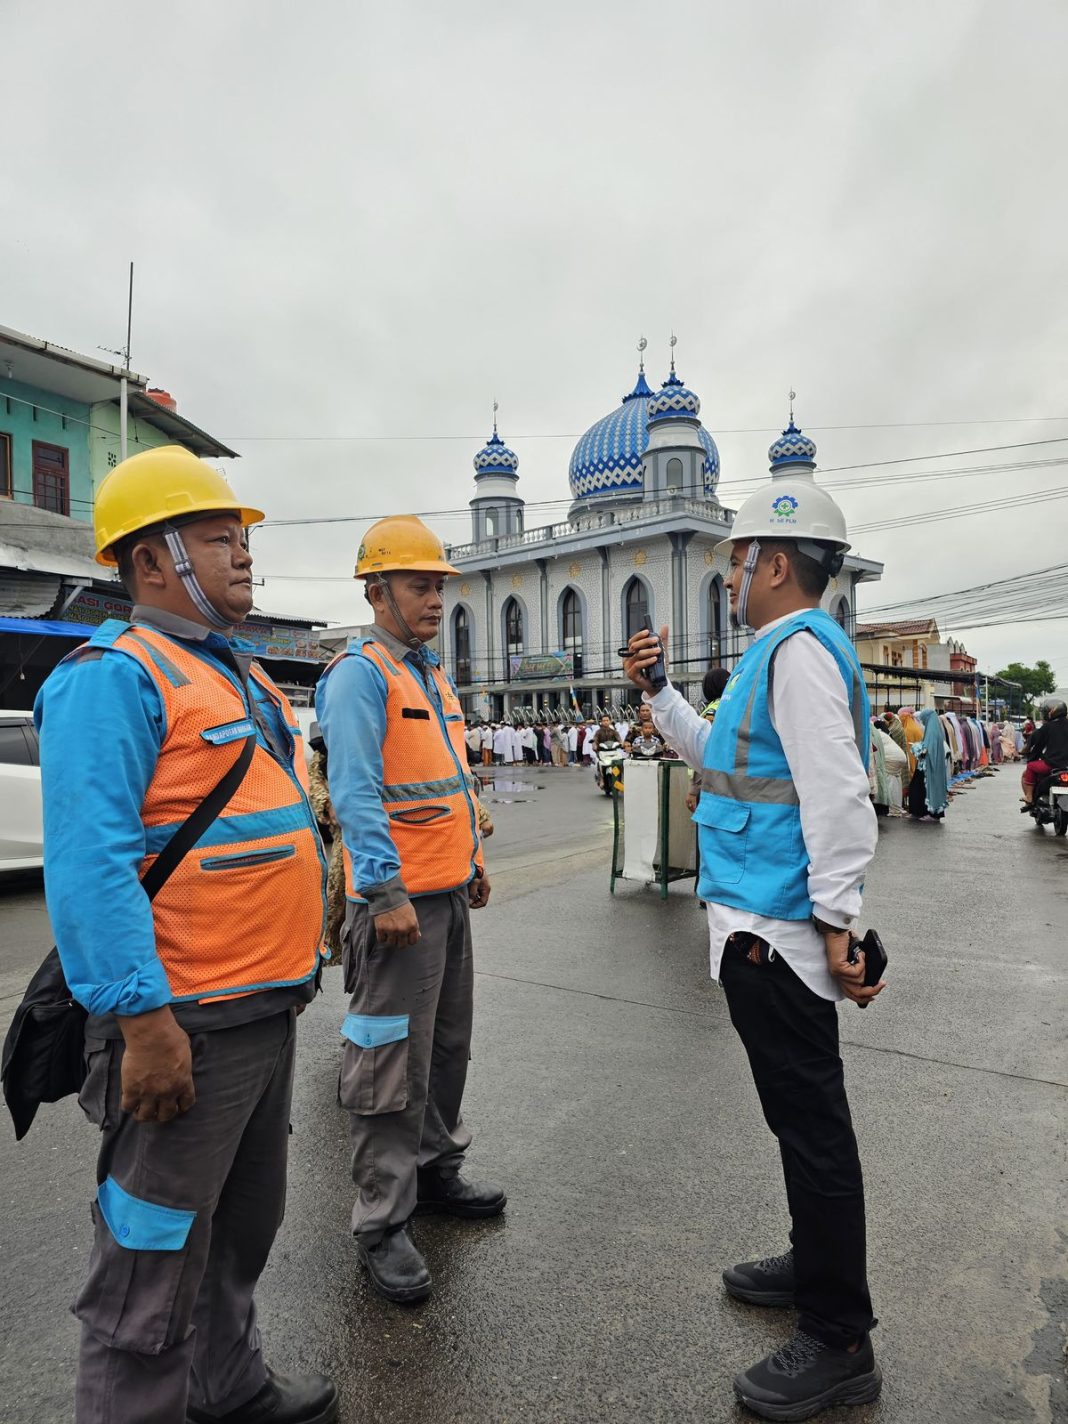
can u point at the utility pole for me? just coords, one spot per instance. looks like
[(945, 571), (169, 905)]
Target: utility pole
[(125, 372)]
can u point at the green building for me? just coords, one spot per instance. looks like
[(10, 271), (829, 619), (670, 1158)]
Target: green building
[(59, 424)]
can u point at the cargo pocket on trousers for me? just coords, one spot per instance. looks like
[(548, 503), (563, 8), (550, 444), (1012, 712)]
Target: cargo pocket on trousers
[(139, 1258), (374, 1070), (93, 1094)]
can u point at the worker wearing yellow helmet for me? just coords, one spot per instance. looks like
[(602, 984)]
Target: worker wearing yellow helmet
[(394, 729), (184, 876)]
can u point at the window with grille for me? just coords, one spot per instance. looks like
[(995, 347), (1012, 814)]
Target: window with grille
[(571, 619), (5, 467), (715, 620), (513, 633), (51, 477), (461, 646), (636, 607)]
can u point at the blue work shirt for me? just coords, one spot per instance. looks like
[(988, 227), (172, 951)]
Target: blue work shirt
[(350, 707), (101, 723)]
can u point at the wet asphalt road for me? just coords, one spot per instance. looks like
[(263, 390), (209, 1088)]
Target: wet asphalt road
[(609, 1095)]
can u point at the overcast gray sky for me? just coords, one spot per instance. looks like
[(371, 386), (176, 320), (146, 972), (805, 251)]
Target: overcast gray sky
[(367, 220)]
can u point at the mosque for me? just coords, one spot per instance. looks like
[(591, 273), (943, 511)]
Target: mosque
[(537, 613)]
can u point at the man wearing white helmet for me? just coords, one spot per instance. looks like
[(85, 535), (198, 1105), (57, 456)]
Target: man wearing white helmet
[(786, 833)]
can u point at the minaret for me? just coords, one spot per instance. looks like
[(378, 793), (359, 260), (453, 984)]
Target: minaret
[(496, 508), (794, 453), (675, 457)]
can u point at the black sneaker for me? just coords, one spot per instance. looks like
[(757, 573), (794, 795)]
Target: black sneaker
[(766, 1282), (806, 1376)]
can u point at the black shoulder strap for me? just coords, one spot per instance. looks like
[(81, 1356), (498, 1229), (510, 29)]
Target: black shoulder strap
[(194, 826)]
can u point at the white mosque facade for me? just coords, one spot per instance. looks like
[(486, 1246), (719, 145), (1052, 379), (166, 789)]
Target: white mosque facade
[(538, 612)]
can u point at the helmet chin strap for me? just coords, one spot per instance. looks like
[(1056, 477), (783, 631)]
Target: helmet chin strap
[(183, 567), (407, 635), (740, 612)]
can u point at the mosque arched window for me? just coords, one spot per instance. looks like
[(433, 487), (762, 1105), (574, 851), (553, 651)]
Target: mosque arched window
[(513, 633), (571, 627), (635, 607), (841, 614), (491, 523), (674, 475), (461, 645), (715, 620)]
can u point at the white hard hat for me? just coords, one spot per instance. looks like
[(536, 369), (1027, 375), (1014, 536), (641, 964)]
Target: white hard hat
[(790, 507)]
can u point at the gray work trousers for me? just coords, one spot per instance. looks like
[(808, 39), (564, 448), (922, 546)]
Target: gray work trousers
[(173, 1323), (404, 1096)]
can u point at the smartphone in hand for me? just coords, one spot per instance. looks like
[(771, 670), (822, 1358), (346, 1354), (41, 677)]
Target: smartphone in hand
[(874, 957)]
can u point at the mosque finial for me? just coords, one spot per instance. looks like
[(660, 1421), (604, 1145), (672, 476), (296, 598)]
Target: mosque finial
[(496, 407), (642, 344), (793, 397), (672, 343)]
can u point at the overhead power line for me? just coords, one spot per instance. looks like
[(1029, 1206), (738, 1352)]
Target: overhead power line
[(577, 434)]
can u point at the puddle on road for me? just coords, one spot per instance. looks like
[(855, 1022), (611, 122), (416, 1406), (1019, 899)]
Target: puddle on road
[(494, 785)]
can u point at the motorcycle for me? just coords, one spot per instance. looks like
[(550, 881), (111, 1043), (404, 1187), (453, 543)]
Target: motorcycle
[(1050, 802), (608, 771)]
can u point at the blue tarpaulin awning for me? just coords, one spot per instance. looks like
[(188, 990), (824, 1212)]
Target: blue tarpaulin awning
[(47, 628)]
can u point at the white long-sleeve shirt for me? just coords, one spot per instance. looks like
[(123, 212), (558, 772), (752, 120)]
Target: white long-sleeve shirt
[(810, 711)]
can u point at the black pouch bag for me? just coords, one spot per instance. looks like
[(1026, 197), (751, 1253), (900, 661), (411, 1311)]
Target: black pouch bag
[(44, 1051)]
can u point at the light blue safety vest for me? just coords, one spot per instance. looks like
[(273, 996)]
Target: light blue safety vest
[(753, 854)]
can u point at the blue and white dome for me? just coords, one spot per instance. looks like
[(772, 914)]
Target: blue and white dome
[(495, 458), (792, 451), (608, 458), (673, 401)]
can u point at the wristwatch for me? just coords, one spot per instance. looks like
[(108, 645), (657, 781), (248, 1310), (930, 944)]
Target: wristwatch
[(826, 929)]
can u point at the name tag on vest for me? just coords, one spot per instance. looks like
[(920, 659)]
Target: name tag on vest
[(228, 732), (419, 713)]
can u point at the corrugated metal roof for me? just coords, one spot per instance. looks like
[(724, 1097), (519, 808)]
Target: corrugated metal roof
[(27, 595)]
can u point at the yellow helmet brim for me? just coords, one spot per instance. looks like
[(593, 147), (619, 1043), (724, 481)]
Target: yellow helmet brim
[(246, 514)]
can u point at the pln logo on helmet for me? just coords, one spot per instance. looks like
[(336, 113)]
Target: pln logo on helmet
[(784, 508)]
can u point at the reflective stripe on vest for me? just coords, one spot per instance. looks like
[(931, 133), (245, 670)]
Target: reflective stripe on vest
[(244, 910), (753, 854), (426, 788), (739, 785)]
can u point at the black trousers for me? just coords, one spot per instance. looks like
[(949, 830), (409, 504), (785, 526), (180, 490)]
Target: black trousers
[(791, 1037)]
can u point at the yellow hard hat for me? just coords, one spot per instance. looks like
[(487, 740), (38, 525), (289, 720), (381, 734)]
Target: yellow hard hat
[(157, 485), (401, 543)]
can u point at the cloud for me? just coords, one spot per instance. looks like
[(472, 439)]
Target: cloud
[(357, 220)]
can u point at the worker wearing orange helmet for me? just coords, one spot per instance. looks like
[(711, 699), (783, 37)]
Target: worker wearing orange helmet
[(394, 731), (160, 734)]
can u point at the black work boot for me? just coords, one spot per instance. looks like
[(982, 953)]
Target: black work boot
[(766, 1282), (309, 1399), (396, 1268), (450, 1193), (806, 1376)]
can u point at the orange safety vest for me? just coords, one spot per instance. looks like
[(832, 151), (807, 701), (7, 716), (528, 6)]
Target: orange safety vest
[(244, 910), (426, 791)]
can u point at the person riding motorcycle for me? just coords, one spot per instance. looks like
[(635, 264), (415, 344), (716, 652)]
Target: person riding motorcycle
[(1047, 749), (607, 752)]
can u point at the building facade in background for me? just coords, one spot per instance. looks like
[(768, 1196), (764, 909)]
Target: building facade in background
[(59, 437), (907, 663), (538, 612)]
